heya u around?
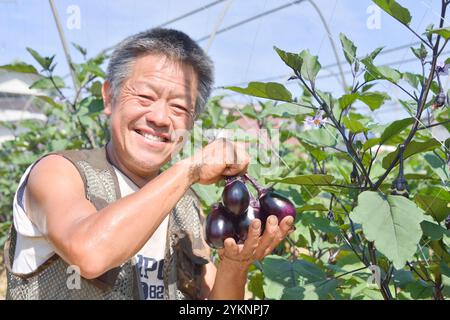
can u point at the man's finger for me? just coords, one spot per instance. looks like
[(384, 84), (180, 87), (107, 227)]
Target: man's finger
[(252, 241), (241, 160), (283, 230), (268, 237), (231, 249)]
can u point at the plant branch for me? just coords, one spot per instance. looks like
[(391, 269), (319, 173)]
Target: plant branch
[(443, 47), (421, 106), (361, 258), (422, 99), (61, 94), (416, 272), (418, 36), (331, 116), (405, 91), (384, 287), (373, 158), (303, 105), (77, 95), (348, 272), (434, 125)]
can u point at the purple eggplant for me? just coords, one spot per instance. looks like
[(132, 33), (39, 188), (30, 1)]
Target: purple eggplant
[(236, 197), (243, 222), (272, 203), (219, 226)]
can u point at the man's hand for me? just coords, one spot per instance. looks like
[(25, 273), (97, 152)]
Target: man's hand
[(256, 247), (219, 158), (229, 279)]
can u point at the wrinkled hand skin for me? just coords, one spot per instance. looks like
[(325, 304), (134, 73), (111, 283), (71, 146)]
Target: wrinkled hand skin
[(218, 159), (256, 247)]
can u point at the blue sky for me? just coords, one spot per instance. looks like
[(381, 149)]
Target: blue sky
[(240, 55)]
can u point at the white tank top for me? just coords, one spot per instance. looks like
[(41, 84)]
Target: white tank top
[(33, 249)]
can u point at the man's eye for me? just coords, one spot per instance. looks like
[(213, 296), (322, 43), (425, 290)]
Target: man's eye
[(180, 108), (146, 97)]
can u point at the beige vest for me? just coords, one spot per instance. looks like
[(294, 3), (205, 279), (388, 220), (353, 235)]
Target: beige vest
[(184, 257)]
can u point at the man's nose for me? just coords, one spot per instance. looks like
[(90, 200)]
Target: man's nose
[(159, 113)]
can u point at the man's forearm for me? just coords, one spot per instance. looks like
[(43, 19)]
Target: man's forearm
[(231, 278), (117, 232)]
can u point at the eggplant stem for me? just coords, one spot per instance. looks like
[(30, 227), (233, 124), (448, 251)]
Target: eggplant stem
[(257, 186)]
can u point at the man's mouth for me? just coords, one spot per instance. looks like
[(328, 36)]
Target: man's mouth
[(151, 137)]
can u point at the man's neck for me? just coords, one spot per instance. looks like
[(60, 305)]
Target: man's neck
[(140, 181)]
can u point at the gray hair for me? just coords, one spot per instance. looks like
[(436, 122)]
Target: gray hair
[(173, 44)]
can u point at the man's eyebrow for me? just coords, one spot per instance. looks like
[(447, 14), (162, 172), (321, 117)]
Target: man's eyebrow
[(157, 90), (146, 85)]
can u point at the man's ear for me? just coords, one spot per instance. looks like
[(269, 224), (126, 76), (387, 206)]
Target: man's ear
[(106, 94)]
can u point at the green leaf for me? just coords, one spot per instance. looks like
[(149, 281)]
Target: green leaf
[(57, 145), (284, 279), (307, 179), (293, 60), (90, 106), (50, 101), (389, 74), (347, 99), (208, 194), (255, 285), (419, 290), (411, 78), (311, 65), (96, 89), (438, 165), (374, 53), (395, 128), (353, 124), (349, 48), (413, 148), (312, 207), (443, 32), (320, 137), (318, 154), (382, 72), (392, 222), (320, 224), (445, 273), (319, 290), (392, 8), (46, 83), (80, 49), (41, 60), (373, 100), (285, 110), (94, 69), (45, 62), (269, 90), (434, 201), (420, 52), (432, 230), (370, 143), (19, 67)]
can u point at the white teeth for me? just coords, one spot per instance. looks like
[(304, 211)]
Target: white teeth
[(151, 137)]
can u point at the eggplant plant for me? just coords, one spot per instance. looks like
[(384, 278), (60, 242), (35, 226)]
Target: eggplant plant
[(372, 201)]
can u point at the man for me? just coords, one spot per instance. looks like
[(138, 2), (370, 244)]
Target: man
[(110, 214)]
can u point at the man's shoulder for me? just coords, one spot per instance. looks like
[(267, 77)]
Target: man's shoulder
[(51, 173)]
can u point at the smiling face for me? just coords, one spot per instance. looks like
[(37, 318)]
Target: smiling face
[(156, 103)]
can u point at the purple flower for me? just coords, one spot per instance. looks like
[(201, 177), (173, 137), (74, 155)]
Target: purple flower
[(314, 122), (442, 68)]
